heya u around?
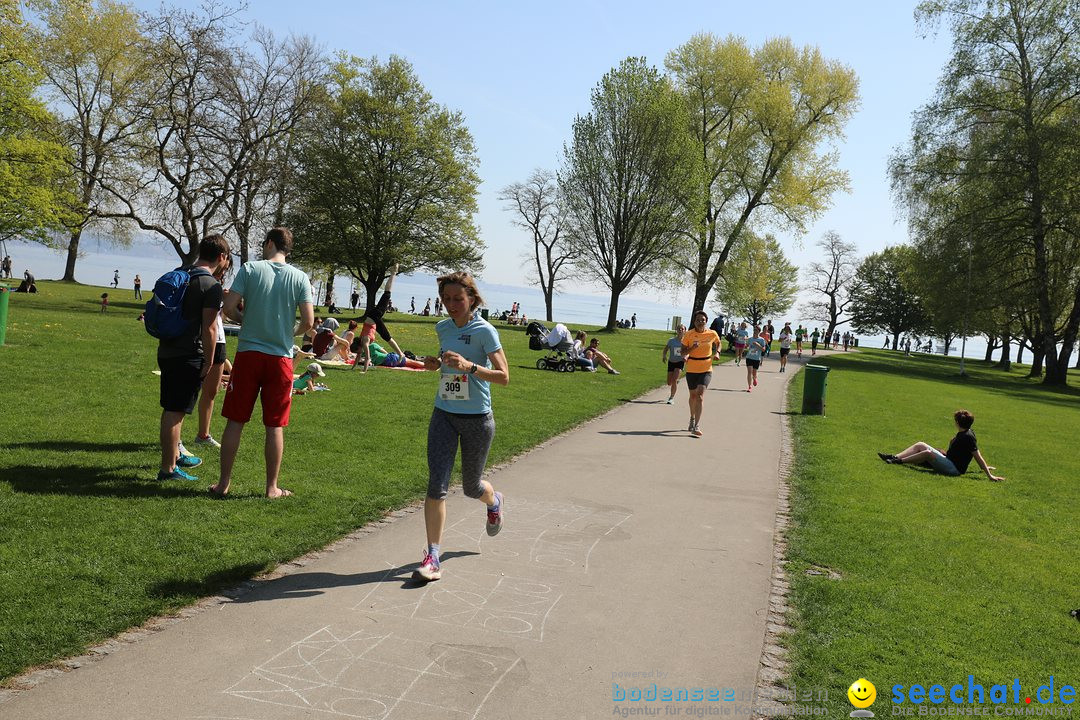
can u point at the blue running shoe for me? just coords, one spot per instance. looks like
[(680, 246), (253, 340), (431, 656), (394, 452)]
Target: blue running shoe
[(188, 461), (176, 474)]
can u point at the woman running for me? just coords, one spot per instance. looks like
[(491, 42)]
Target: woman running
[(742, 336), (699, 347), (673, 356), (785, 346), (754, 349), (470, 359)]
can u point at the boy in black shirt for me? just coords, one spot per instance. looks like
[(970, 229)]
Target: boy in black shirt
[(954, 461)]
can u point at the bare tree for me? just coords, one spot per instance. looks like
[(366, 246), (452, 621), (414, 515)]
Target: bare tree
[(267, 92), (536, 205), (186, 172), (831, 280)]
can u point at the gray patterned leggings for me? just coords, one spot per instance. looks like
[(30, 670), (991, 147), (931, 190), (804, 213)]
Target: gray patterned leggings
[(445, 431)]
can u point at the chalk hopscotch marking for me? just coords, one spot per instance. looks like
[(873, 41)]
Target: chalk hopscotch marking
[(514, 606), (557, 536), (360, 674)]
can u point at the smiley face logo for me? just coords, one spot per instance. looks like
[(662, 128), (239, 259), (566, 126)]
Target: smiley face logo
[(862, 693)]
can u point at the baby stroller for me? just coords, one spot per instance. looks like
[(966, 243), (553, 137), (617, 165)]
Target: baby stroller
[(559, 356)]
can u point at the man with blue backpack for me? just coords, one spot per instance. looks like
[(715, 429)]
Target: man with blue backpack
[(183, 314)]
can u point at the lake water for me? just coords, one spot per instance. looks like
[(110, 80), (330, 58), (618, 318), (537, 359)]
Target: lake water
[(151, 260)]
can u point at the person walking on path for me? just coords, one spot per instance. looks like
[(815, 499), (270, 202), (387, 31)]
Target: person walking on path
[(673, 356), (754, 349), (768, 338), (212, 382), (138, 288), (814, 336), (116, 278), (272, 292), (785, 346), (5, 268), (954, 461), (470, 358), (185, 360), (633, 321), (800, 335), (700, 347)]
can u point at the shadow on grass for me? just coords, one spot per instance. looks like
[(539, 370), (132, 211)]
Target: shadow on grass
[(129, 481), (946, 371), (310, 584), (210, 585), (81, 446)]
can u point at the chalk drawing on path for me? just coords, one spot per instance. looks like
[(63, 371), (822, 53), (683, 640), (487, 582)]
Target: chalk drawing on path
[(486, 601), (360, 674), (556, 536)]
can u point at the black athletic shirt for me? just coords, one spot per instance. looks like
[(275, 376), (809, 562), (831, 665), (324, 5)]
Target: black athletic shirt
[(961, 449)]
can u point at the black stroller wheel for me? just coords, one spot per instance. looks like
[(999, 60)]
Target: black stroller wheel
[(541, 364), (571, 366)]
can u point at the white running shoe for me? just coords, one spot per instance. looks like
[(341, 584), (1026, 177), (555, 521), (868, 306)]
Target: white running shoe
[(208, 440)]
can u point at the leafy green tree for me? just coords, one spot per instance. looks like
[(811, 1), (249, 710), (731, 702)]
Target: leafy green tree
[(1002, 134), (628, 179), (36, 197), (758, 281), (94, 60), (386, 175), (884, 297), (759, 118)]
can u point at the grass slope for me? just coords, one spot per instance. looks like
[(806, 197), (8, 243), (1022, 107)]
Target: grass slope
[(91, 544), (941, 577)]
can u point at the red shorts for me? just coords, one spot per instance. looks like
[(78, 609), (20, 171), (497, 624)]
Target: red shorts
[(253, 372)]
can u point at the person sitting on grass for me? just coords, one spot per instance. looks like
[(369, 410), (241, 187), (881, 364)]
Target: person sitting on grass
[(598, 358), (305, 381), (955, 460)]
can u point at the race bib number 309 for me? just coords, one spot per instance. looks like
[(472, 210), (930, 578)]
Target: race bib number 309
[(454, 387)]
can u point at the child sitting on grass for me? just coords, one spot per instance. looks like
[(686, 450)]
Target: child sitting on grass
[(955, 460), (305, 381)]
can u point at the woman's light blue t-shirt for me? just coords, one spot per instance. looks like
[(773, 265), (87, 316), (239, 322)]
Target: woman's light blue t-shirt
[(754, 350), (474, 342)]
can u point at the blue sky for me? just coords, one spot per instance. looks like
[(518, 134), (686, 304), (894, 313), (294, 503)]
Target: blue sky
[(520, 72)]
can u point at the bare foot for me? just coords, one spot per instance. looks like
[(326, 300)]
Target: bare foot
[(281, 492), (213, 490)]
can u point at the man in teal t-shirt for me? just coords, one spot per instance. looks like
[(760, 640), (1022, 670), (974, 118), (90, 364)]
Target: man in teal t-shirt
[(272, 292)]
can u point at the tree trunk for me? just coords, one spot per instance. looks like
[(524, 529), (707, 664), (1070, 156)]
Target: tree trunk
[(701, 295), (613, 311), (72, 256), (371, 287), (329, 289), (547, 304), (896, 341), (1038, 355), (1005, 363), (1020, 351), (989, 357)]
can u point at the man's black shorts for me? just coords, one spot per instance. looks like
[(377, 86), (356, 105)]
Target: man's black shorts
[(751, 363), (180, 382), (693, 380), (784, 351)]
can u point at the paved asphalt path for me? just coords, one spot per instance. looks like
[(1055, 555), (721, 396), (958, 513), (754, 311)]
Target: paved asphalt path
[(632, 555)]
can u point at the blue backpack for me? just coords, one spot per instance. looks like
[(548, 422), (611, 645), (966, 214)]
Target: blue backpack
[(165, 309)]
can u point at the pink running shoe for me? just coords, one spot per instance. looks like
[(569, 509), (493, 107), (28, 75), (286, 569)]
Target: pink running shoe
[(429, 569), (495, 517), (755, 382)]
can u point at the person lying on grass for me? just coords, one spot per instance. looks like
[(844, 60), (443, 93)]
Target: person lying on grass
[(955, 460)]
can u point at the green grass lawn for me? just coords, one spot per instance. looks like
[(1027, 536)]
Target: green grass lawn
[(941, 577), (91, 544)]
